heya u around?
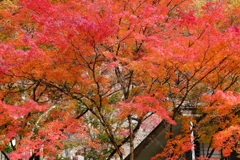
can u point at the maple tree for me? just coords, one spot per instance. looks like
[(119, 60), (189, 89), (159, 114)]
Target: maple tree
[(89, 73)]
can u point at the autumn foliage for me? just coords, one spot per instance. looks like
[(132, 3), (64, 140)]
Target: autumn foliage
[(87, 74)]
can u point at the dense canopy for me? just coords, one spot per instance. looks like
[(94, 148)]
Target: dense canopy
[(89, 74)]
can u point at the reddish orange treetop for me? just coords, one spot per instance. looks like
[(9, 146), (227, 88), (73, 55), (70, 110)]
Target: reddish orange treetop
[(80, 73)]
